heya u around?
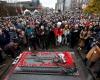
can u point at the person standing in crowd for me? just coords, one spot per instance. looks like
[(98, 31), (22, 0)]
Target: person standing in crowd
[(38, 35), (21, 38), (47, 31), (58, 33), (83, 37), (13, 34), (52, 37), (31, 36), (43, 37), (74, 35), (2, 39), (7, 35), (88, 40), (66, 32), (18, 24)]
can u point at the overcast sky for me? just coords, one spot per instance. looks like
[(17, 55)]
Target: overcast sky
[(45, 3), (48, 3)]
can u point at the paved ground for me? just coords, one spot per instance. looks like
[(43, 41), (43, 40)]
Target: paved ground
[(83, 72), (43, 77)]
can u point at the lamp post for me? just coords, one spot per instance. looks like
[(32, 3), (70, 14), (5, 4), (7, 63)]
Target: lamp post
[(63, 6)]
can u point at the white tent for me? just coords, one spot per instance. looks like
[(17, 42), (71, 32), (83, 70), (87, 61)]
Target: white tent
[(27, 11), (36, 11)]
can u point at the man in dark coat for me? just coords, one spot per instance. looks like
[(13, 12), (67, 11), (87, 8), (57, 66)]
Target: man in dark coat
[(2, 44), (74, 36), (2, 39)]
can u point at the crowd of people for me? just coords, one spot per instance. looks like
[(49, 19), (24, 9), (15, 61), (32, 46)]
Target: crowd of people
[(47, 31)]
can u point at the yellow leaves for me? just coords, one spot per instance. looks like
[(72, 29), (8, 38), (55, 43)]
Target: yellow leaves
[(93, 7)]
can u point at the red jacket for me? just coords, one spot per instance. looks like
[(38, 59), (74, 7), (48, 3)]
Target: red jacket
[(58, 32)]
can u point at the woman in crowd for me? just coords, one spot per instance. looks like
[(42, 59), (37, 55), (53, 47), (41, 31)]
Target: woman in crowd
[(66, 32), (83, 37)]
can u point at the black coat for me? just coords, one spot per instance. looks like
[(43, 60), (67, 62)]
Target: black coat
[(2, 41), (7, 36)]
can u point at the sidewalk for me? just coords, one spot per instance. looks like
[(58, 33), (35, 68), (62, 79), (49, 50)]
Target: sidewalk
[(82, 55), (5, 67)]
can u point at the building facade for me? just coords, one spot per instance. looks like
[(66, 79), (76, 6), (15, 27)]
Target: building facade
[(63, 5), (59, 5), (79, 3), (31, 5)]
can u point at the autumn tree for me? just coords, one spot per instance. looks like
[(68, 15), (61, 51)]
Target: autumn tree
[(93, 7)]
